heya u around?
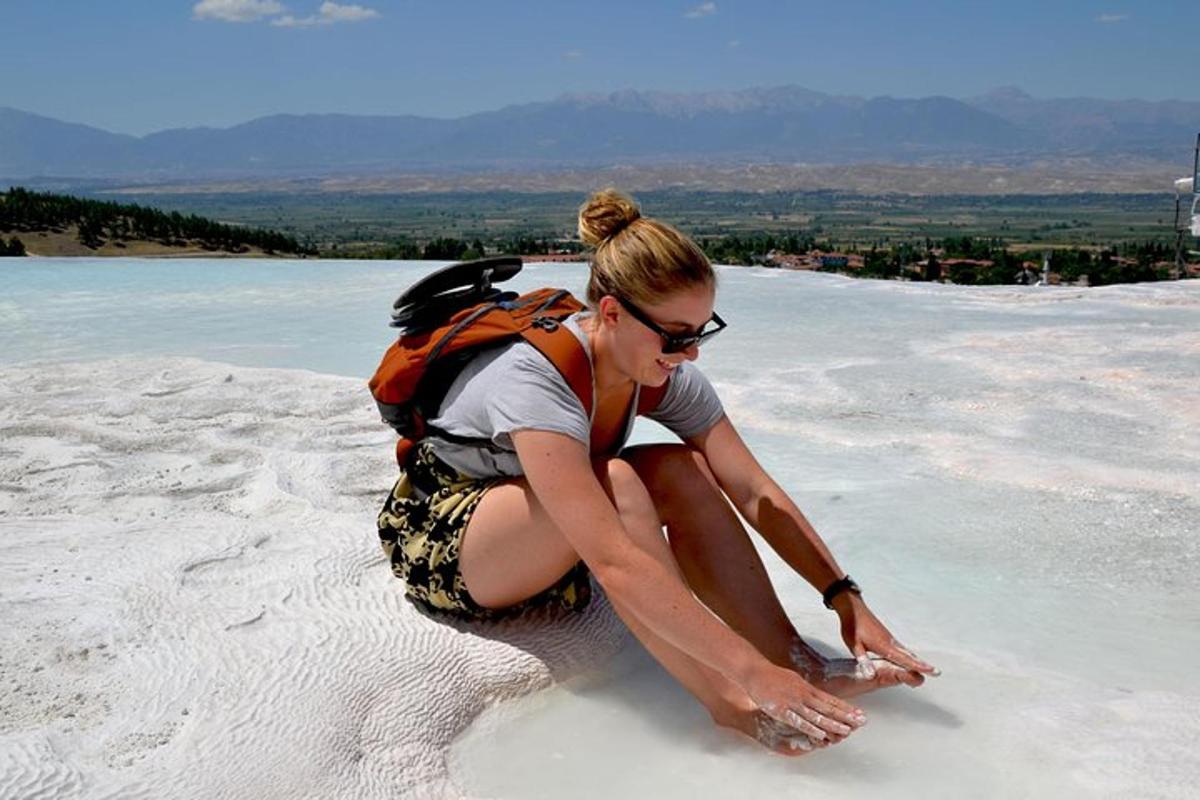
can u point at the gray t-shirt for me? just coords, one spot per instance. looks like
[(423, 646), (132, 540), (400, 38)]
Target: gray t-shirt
[(514, 387)]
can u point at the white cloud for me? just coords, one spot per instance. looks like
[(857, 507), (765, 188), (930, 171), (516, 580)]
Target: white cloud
[(327, 14), (735, 43), (1109, 19), (702, 10), (573, 55), (288, 21), (333, 12), (235, 10)]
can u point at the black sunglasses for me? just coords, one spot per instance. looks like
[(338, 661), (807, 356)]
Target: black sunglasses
[(674, 342)]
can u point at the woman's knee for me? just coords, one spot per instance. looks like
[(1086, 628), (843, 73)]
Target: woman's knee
[(677, 476), (628, 492)]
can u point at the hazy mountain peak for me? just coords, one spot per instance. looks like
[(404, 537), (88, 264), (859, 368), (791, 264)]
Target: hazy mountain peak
[(785, 124), (1006, 94), (690, 103)]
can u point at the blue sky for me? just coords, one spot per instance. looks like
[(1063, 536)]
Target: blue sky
[(137, 66)]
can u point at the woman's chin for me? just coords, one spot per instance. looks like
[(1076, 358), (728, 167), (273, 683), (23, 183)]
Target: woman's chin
[(663, 372)]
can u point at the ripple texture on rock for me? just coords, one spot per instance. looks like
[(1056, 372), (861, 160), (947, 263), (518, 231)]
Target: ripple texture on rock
[(195, 601)]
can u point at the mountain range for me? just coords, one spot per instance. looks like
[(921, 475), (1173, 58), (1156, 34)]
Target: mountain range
[(786, 124)]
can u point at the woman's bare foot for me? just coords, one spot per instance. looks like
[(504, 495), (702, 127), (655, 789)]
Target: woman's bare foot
[(848, 677)]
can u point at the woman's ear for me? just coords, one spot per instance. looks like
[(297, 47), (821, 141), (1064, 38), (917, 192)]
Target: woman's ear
[(609, 310)]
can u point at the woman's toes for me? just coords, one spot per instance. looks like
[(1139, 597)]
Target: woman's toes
[(782, 738), (889, 674)]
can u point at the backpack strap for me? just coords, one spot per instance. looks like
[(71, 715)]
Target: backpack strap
[(566, 353)]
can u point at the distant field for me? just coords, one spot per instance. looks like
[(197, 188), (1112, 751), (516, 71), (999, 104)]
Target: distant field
[(845, 219), (66, 243)]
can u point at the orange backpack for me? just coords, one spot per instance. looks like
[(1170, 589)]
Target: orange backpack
[(450, 316)]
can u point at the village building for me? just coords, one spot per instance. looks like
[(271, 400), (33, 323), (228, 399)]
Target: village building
[(553, 257), (813, 260)]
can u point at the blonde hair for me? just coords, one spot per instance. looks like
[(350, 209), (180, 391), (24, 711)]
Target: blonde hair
[(635, 257)]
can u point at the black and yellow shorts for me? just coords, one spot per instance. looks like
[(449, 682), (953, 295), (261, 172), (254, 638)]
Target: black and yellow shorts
[(421, 528)]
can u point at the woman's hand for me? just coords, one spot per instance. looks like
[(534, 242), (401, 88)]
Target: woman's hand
[(787, 698), (863, 633)]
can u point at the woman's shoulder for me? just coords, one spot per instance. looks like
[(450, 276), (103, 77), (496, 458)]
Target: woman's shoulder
[(691, 404), (506, 367), (690, 374), (515, 367), (517, 379), (520, 356), (689, 385)]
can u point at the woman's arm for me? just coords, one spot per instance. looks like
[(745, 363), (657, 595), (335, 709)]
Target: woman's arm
[(768, 508), (560, 473), (765, 506)]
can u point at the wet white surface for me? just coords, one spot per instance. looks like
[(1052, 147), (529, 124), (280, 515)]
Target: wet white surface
[(195, 604)]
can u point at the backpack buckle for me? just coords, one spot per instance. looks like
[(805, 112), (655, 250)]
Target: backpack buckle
[(548, 324)]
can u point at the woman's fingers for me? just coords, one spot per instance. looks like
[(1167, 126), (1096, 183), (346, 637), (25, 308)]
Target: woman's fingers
[(901, 656), (827, 723), (792, 701), (802, 725), (820, 720), (836, 708)]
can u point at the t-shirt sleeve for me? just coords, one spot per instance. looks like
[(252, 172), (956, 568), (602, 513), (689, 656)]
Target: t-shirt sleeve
[(534, 396), (691, 405)]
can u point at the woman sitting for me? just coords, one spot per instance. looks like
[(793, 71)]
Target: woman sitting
[(556, 496)]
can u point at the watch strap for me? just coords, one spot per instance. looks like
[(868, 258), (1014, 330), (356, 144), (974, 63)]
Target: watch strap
[(844, 584)]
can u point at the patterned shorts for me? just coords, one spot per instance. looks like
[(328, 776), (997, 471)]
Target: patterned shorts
[(421, 528)]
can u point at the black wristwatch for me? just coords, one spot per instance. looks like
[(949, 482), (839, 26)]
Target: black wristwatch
[(845, 584)]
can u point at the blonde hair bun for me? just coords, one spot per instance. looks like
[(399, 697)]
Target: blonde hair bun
[(638, 258), (604, 215)]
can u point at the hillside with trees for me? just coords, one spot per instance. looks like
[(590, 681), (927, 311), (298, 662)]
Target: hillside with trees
[(55, 224)]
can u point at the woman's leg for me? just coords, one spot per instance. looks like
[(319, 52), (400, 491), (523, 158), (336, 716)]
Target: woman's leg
[(724, 570), (712, 547), (511, 550)]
